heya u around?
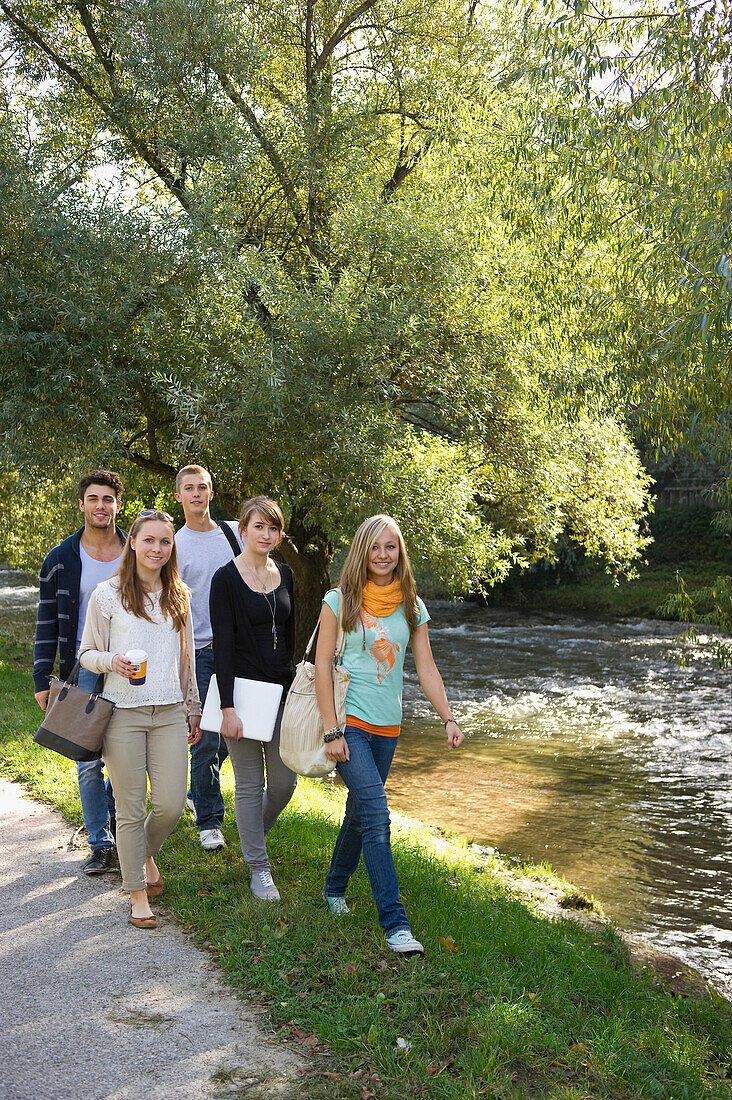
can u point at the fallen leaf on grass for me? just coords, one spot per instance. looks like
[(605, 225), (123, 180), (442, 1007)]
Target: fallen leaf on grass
[(333, 1076), (531, 996), (202, 893), (448, 944), (350, 969), (433, 1070), (366, 1094)]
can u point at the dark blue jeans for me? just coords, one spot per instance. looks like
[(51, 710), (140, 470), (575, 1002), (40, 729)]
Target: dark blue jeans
[(97, 799), (366, 826), (207, 757)]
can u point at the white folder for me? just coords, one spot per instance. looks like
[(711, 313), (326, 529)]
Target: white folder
[(255, 702)]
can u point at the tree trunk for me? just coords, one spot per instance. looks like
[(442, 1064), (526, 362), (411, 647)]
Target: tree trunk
[(308, 553)]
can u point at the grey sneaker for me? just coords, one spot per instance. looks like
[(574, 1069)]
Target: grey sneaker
[(262, 885), (337, 905), (211, 839), (404, 943)]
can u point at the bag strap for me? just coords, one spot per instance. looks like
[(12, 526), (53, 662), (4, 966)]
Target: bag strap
[(340, 636), (230, 537), (73, 677)]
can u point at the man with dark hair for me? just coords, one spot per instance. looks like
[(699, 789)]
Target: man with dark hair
[(203, 545), (69, 575)]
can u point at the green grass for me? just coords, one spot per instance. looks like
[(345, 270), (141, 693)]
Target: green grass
[(600, 596), (504, 1004)]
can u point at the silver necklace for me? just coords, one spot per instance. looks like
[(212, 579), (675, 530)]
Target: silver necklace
[(272, 606)]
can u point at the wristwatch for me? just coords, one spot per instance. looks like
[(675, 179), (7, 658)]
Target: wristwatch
[(332, 735)]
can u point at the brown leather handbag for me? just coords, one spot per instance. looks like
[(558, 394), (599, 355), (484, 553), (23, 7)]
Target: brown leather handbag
[(75, 720)]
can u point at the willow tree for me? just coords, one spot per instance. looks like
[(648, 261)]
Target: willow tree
[(628, 109), (269, 237), (626, 137)]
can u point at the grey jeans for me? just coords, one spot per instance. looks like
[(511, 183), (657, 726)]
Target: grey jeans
[(256, 807)]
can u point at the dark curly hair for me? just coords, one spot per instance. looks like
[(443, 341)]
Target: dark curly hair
[(102, 477)]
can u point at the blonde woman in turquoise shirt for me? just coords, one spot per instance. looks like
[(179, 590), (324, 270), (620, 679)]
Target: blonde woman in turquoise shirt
[(381, 615)]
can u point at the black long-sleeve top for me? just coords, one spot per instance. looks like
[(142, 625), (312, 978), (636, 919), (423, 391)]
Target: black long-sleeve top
[(241, 620)]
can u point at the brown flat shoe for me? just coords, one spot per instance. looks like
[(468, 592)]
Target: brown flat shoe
[(143, 922), (154, 888)]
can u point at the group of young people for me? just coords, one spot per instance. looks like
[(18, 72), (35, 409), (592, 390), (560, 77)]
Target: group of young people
[(211, 598)]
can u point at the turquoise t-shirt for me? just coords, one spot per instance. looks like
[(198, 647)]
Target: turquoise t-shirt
[(377, 671)]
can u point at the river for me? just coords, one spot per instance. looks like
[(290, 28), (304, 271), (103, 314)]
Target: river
[(588, 748)]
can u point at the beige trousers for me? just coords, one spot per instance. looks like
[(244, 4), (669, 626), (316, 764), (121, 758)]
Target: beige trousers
[(140, 742)]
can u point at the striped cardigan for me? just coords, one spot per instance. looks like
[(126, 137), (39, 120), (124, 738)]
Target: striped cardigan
[(57, 621)]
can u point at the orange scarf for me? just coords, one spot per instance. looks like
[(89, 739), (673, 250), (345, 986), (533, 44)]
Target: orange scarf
[(381, 600)]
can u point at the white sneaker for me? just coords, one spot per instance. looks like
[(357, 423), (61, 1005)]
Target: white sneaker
[(404, 943), (211, 839), (262, 886)]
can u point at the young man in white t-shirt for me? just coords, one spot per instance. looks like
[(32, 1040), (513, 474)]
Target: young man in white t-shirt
[(69, 575), (203, 545)]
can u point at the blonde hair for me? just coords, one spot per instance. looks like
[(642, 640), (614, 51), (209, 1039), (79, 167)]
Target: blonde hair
[(355, 571), (174, 597), (201, 470), (267, 508)]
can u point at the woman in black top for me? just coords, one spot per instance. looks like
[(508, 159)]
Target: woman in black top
[(253, 622)]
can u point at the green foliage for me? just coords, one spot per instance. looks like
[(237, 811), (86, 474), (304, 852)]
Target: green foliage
[(688, 535), (626, 141), (711, 605), (277, 241)]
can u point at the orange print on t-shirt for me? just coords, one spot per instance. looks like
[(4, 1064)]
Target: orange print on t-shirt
[(382, 650)]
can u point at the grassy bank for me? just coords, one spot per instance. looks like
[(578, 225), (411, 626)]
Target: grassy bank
[(686, 540), (505, 1003), (600, 595)]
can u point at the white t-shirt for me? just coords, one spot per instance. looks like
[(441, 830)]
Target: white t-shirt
[(200, 554), (93, 572)]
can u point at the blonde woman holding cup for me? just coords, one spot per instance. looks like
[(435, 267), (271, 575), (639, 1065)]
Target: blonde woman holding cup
[(139, 633)]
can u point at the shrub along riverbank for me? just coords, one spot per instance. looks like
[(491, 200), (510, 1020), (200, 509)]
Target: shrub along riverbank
[(685, 541), (505, 1003)]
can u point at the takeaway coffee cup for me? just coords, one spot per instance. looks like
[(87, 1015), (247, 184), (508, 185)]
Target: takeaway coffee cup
[(138, 658)]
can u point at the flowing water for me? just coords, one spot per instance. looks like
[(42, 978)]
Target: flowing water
[(588, 748)]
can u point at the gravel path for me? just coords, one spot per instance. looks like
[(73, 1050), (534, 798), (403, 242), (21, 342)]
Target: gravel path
[(94, 1009)]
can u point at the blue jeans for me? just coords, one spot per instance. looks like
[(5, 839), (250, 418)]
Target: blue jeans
[(97, 798), (207, 757), (366, 826)]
